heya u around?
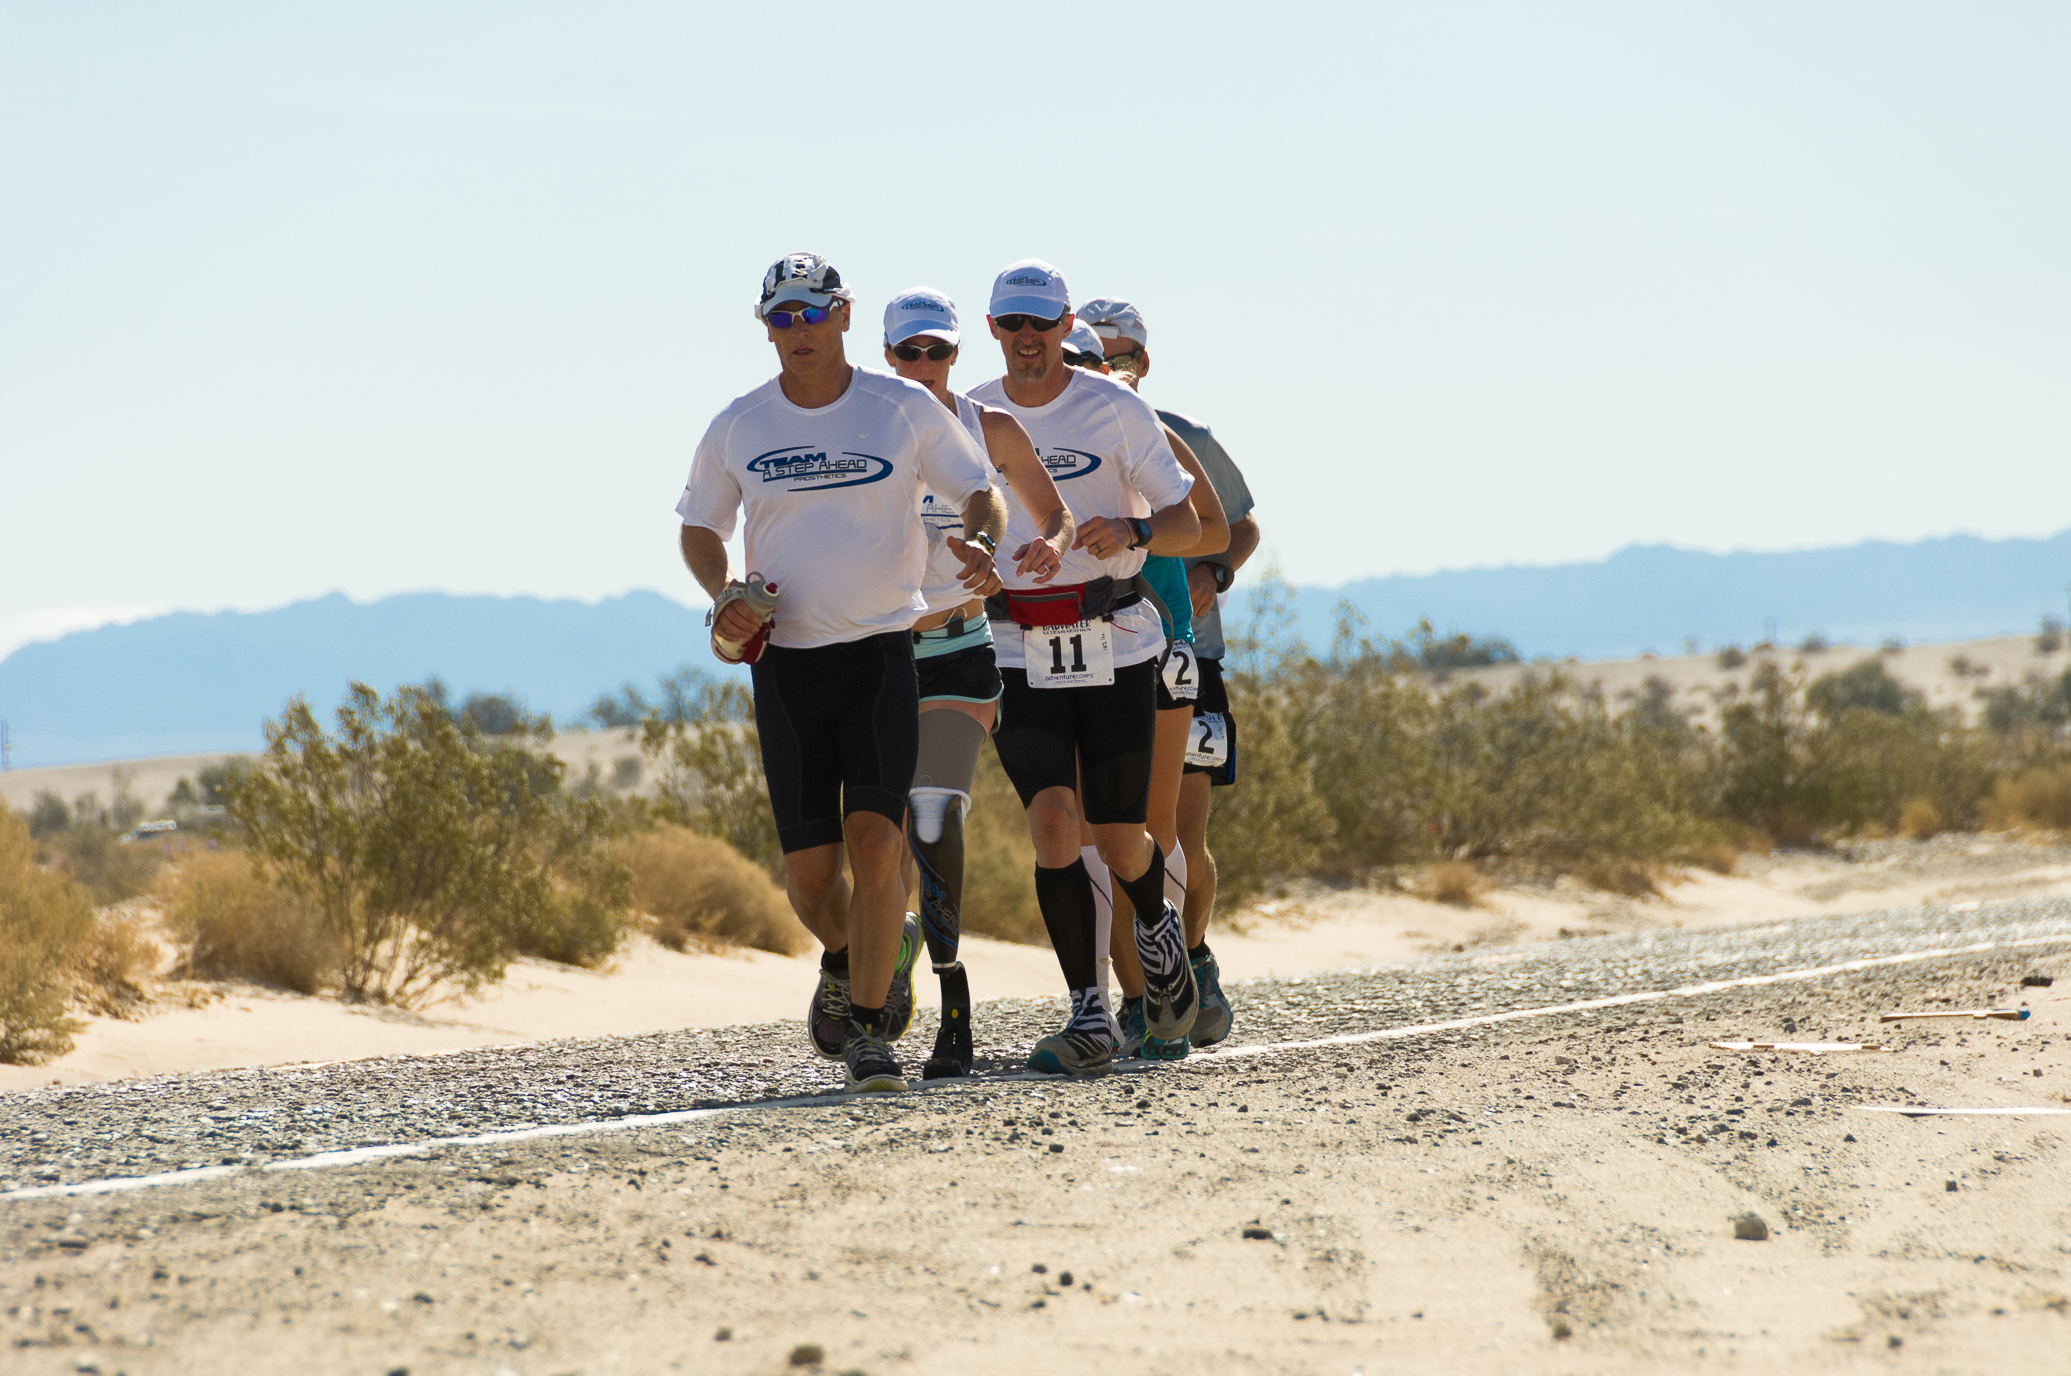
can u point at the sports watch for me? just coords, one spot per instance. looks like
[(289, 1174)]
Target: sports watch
[(1139, 532)]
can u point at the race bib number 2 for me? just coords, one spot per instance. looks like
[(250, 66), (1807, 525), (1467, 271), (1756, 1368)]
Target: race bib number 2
[(1208, 743), (1182, 672), (1081, 655)]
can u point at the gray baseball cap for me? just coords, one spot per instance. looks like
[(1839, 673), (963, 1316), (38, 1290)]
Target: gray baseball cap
[(1112, 318)]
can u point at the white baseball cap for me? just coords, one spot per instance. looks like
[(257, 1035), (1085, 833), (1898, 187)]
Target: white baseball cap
[(922, 310), (1082, 340), (1030, 287), (1112, 318), (803, 277)]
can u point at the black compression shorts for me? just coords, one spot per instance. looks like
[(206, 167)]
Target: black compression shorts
[(1214, 701), (1046, 735), (840, 727), (971, 675)]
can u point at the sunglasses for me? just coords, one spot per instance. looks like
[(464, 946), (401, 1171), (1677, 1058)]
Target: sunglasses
[(1118, 360), (811, 315), (911, 353), (1012, 323)]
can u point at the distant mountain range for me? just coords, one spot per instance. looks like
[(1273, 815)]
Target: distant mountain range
[(1654, 597), (193, 682)]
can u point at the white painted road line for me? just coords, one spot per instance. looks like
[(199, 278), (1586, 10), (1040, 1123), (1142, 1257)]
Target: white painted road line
[(358, 1155)]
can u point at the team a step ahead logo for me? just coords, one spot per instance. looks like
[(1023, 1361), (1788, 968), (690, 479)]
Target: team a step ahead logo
[(808, 470), (1065, 464)]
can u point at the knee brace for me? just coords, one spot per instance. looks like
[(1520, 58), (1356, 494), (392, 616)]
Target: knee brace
[(949, 744)]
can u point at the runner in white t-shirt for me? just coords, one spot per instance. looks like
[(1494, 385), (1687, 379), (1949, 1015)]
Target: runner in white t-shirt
[(953, 652), (830, 462), (1080, 658)]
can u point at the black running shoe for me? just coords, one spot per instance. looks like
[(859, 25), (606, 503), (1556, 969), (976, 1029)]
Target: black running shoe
[(1170, 998), (827, 1015), (952, 1055), (872, 1069), (898, 1000)]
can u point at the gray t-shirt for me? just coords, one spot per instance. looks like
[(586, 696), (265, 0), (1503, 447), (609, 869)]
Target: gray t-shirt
[(1235, 496)]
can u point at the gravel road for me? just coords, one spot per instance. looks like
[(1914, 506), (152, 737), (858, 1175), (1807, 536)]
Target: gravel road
[(1548, 1193), (250, 1117)]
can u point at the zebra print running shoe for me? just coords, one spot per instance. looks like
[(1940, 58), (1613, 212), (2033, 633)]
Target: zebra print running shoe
[(1170, 998), (1084, 1047)]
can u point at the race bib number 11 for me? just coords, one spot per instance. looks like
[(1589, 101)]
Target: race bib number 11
[(1081, 655)]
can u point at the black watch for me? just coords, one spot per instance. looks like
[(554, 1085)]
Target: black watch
[(1139, 533), (1223, 574)]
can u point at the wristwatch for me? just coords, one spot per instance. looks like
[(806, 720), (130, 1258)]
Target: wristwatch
[(992, 546), (1139, 532), (1223, 574)]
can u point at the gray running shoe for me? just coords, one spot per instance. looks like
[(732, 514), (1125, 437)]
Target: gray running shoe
[(872, 1069), (898, 1001), (1084, 1047), (827, 1016), (1213, 1023), (1131, 1020), (1170, 1000)]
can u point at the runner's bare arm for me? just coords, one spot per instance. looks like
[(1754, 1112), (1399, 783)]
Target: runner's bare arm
[(985, 514), (1014, 455), (1243, 544), (1172, 529), (1215, 527), (704, 553)]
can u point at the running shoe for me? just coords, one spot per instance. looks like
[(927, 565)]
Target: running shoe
[(953, 1054), (1084, 1047), (1170, 1000), (1163, 1049), (898, 1001), (1213, 1024), (827, 1016), (872, 1069), (1130, 1043)]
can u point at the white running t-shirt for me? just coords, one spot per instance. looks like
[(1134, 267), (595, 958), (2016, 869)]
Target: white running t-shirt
[(1108, 455), (833, 500), (943, 587)]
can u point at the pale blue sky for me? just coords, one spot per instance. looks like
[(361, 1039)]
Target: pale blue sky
[(407, 297)]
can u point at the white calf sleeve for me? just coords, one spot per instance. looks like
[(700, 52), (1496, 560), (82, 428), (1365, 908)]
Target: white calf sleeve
[(1103, 899), (1176, 880)]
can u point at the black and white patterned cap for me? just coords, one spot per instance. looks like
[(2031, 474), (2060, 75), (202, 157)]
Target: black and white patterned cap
[(803, 277)]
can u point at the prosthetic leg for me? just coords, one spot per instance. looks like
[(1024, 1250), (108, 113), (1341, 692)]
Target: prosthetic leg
[(941, 795)]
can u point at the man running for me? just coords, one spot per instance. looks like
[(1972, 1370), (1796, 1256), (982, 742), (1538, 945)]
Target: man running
[(830, 463), (953, 649), (1178, 682), (1080, 660), (1212, 747)]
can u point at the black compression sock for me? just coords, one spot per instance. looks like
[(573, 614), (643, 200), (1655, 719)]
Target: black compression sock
[(835, 962), (1147, 890), (1066, 898), (1197, 952), (871, 1020)]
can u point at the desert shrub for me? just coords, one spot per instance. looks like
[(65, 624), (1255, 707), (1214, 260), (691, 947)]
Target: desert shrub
[(110, 869), (235, 922), (701, 892), (48, 815), (1919, 818), (112, 963), (1865, 685), (1442, 654), (1867, 767), (1451, 881), (2049, 635), (43, 919), (430, 853), (2039, 798), (2036, 708), (707, 759), (1731, 657)]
